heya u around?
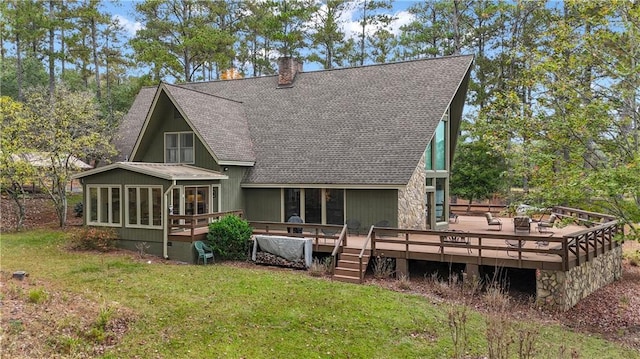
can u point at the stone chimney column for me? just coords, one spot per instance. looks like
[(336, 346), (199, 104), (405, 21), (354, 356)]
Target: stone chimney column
[(288, 67)]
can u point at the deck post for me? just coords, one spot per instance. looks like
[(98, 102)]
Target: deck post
[(402, 266)]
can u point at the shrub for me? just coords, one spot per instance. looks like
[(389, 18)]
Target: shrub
[(92, 239), (229, 238)]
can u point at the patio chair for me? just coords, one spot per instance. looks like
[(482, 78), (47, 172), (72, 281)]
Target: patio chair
[(204, 252), (353, 225), (543, 226), (295, 219), (522, 223), (493, 222)]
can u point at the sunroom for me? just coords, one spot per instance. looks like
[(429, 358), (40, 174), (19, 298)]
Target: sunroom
[(136, 198)]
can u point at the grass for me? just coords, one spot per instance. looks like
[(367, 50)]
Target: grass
[(183, 311)]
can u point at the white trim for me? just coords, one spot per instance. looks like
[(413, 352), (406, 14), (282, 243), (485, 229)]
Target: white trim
[(131, 166), (237, 163), (138, 207), (109, 203), (218, 196), (282, 214), (312, 185)]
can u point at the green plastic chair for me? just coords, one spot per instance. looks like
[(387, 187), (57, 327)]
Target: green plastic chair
[(204, 252)]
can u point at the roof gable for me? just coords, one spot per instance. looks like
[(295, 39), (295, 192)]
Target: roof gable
[(220, 123)]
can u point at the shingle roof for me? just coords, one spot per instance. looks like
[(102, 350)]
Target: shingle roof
[(131, 124), (363, 125), (221, 123)]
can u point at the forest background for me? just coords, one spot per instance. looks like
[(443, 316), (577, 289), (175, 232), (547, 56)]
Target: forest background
[(553, 104)]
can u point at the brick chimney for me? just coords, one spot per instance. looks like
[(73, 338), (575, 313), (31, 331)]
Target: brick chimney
[(288, 67)]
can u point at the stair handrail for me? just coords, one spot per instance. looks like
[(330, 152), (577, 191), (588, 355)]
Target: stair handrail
[(364, 247), (338, 245)]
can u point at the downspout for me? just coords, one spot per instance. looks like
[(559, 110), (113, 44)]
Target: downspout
[(165, 220)]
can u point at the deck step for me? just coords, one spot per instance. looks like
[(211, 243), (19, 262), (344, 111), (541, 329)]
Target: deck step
[(347, 279), (350, 250), (353, 257), (350, 272), (348, 266), (342, 263)]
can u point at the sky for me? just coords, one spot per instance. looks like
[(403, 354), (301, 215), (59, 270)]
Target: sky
[(124, 12)]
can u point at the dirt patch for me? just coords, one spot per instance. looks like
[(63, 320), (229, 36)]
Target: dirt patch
[(40, 321), (39, 212)]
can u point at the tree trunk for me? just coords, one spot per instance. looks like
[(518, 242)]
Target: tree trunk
[(52, 74), (19, 67), (96, 65)]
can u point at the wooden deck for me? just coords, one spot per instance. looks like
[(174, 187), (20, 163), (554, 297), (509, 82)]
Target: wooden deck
[(468, 241)]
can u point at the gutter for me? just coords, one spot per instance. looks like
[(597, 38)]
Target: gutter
[(165, 215)]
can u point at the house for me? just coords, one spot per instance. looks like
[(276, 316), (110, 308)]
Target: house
[(371, 143)]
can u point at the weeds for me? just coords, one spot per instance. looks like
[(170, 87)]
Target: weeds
[(37, 296), (458, 317), (142, 249), (319, 267), (383, 267), (98, 331), (403, 282)]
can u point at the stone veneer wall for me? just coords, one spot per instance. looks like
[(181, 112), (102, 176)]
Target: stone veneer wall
[(562, 290), (411, 206)]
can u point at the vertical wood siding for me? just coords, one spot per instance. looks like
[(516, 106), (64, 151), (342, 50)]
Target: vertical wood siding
[(372, 206), (262, 204)]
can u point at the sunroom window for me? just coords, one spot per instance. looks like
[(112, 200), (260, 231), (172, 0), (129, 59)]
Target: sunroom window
[(103, 205), (144, 206), (178, 147)]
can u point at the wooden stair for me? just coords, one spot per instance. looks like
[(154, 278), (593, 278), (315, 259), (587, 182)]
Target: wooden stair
[(348, 266)]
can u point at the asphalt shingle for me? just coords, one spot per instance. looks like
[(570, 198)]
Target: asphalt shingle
[(357, 126)]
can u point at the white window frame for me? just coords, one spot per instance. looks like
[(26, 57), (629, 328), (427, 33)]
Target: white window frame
[(110, 222), (138, 211), (179, 135)]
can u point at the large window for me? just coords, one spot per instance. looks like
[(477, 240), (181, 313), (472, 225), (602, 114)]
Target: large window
[(103, 205), (436, 151), (178, 147), (144, 206), (315, 205)]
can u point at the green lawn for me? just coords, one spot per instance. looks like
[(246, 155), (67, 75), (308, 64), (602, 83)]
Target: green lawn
[(182, 311)]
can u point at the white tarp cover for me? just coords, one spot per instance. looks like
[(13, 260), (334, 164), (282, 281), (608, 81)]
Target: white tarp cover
[(289, 248)]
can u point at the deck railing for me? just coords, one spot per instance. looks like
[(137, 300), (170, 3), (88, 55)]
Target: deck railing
[(573, 249), (478, 209), (589, 243), (364, 249), (337, 248), (585, 218), (329, 234), (178, 222)]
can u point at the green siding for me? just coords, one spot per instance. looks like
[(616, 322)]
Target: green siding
[(162, 120), (262, 204), (179, 251), (372, 206), (232, 194)]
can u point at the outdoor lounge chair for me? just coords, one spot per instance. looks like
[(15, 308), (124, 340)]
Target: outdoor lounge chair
[(493, 222), (204, 252), (543, 226)]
